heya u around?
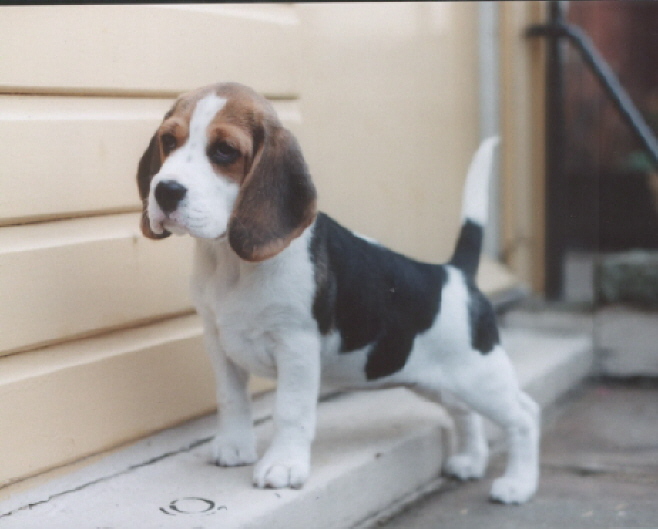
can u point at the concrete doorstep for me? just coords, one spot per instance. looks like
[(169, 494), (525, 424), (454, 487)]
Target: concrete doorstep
[(374, 453)]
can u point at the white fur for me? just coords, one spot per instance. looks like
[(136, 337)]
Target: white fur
[(258, 319), (260, 314), (476, 189)]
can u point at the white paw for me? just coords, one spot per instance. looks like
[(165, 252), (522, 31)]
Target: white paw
[(282, 470), (465, 466), (512, 490), (232, 451)]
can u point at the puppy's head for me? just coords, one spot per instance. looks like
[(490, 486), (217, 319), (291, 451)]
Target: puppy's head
[(222, 165)]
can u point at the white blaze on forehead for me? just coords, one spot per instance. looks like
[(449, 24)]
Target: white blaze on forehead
[(205, 111)]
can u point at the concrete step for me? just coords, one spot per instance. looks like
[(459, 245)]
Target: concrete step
[(374, 452)]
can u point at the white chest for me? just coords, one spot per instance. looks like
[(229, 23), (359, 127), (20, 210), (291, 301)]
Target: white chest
[(254, 307)]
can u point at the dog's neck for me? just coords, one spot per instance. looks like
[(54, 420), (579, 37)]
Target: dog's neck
[(216, 254)]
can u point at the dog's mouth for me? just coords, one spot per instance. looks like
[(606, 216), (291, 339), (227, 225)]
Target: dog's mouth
[(171, 226), (178, 223)]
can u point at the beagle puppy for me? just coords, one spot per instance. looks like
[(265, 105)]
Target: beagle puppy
[(285, 291)]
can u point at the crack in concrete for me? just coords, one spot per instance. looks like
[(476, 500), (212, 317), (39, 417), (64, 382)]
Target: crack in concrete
[(191, 446), (626, 473), (184, 449)]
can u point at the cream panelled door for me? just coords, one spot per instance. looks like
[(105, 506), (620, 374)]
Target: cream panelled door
[(98, 344)]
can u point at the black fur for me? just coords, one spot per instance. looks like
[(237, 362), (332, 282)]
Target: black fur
[(372, 295), (468, 248), (482, 320)]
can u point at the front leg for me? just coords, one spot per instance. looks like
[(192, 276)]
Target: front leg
[(235, 442), (287, 461)]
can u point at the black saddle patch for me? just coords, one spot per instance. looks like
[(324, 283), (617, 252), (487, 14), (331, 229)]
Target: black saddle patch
[(372, 295), (482, 320)]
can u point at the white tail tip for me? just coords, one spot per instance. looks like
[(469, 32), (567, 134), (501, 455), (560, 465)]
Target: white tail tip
[(476, 190)]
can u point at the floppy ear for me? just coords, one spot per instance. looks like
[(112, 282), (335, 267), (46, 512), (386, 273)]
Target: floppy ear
[(149, 165), (277, 200)]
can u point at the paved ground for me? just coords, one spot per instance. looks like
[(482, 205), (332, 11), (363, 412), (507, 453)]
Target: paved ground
[(599, 463)]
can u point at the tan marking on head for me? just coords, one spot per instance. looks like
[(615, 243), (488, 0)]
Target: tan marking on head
[(221, 131), (177, 121), (176, 127), (241, 123)]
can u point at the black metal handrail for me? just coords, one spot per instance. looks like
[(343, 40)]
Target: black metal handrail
[(606, 77)]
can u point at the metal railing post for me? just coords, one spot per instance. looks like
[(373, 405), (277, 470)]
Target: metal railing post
[(555, 167)]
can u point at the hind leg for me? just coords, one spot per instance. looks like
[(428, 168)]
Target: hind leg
[(472, 451), (470, 454), (519, 482), (487, 384), (491, 389)]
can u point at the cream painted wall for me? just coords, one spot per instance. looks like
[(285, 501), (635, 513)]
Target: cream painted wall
[(390, 108), (522, 151)]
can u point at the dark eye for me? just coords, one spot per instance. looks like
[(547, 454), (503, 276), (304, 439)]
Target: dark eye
[(222, 153), (168, 142)]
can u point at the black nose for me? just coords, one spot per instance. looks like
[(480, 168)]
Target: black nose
[(168, 195)]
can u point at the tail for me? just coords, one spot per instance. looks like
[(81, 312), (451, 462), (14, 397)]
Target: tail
[(475, 208)]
